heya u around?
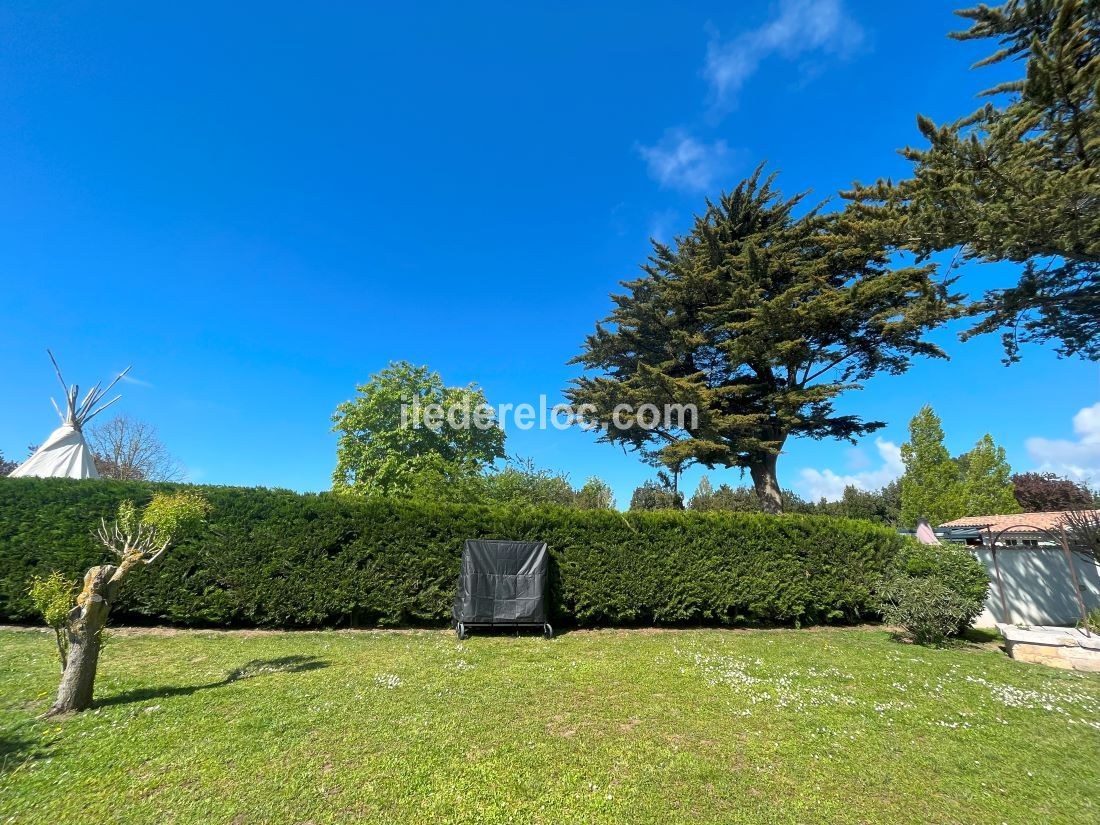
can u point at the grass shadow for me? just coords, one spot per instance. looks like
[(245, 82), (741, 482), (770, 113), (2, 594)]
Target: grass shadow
[(973, 638), (512, 631), (249, 670), (17, 749), (982, 638)]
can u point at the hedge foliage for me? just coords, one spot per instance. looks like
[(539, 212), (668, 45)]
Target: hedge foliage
[(273, 558)]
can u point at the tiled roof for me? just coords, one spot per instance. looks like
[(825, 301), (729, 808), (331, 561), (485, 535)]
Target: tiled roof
[(1045, 521)]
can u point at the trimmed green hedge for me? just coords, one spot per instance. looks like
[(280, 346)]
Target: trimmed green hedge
[(274, 558)]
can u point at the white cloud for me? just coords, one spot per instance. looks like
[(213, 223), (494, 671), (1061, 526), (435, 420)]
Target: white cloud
[(829, 485), (661, 225), (129, 379), (680, 161), (857, 459), (802, 26), (1078, 459)]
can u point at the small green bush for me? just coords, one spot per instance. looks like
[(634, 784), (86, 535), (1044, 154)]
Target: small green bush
[(953, 564), (932, 591), (52, 597), (272, 558), (173, 515), (926, 607), (1091, 622)]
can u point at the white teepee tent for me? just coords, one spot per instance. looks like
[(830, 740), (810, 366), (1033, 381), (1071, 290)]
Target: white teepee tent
[(65, 453)]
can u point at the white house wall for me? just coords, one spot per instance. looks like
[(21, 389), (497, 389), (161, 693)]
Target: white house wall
[(1038, 586)]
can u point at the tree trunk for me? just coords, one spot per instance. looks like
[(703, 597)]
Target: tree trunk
[(59, 635), (86, 621), (764, 479)]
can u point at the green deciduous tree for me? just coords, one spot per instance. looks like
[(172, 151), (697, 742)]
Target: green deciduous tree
[(703, 497), (728, 499), (595, 494), (1018, 180), (880, 506), (386, 448), (987, 482), (930, 487), (522, 484), (759, 317), (657, 495), (940, 488)]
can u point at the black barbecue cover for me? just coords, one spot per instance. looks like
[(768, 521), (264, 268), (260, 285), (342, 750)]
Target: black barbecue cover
[(502, 582)]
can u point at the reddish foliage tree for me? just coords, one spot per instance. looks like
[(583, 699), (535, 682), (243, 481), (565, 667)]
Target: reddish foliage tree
[(1045, 492)]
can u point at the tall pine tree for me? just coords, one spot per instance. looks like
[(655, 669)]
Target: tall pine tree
[(759, 317), (930, 487), (1018, 180)]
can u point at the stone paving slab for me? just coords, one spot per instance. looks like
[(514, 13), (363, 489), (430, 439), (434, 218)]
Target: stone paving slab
[(1069, 648)]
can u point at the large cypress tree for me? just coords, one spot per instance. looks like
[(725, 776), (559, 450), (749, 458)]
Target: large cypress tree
[(760, 318), (1018, 180)]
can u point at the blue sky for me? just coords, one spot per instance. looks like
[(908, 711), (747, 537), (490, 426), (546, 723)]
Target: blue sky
[(259, 205)]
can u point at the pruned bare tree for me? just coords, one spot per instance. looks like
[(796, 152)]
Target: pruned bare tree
[(129, 449), (1082, 529), (137, 539)]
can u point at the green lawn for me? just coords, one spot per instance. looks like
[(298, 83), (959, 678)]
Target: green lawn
[(614, 726)]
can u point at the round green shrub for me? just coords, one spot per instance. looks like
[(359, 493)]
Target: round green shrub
[(933, 591)]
